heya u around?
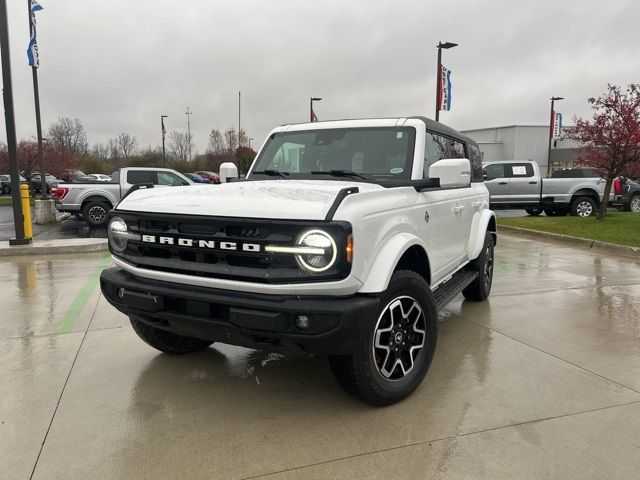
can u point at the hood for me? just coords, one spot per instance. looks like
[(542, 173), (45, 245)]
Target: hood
[(277, 199)]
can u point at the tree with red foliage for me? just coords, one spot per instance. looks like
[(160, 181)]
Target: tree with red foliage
[(55, 159), (610, 142)]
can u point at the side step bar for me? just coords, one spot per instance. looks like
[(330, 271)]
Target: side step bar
[(450, 289)]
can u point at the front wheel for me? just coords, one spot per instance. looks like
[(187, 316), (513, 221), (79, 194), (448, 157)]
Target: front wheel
[(583, 207), (534, 211), (167, 342), (391, 360), (6, 189)]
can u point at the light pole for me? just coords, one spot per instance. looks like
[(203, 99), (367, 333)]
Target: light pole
[(164, 133), (445, 45), (312, 115), (553, 99)]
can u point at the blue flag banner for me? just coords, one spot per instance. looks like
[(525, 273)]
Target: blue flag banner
[(557, 125), (32, 51), (445, 88)]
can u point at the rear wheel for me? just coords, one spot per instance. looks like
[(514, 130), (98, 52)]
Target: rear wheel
[(480, 288), (6, 189), (391, 360), (167, 342), (634, 203), (583, 207), (95, 214)]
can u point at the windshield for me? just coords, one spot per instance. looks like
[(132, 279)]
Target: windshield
[(378, 153)]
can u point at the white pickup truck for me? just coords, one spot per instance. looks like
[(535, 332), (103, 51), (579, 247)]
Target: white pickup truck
[(519, 184), (345, 240), (92, 200)]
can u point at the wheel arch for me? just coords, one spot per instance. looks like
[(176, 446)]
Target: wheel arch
[(96, 198), (483, 223), (585, 192), (403, 251)]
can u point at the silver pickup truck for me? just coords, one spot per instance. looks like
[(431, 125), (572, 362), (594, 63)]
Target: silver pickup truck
[(518, 184), (93, 200)]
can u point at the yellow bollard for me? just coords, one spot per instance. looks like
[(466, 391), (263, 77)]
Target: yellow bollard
[(26, 211)]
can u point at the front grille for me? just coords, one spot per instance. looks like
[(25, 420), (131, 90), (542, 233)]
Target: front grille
[(198, 259)]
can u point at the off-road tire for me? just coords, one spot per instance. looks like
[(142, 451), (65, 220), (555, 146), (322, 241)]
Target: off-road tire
[(360, 374), (634, 203), (583, 207), (480, 288), (96, 214), (167, 342)]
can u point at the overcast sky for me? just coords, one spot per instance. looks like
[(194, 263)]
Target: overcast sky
[(118, 65)]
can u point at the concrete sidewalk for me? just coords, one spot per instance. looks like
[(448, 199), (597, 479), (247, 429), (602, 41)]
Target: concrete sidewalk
[(51, 247), (539, 381)]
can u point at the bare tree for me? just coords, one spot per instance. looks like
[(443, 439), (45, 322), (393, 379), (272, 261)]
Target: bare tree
[(231, 140), (179, 144), (101, 150), (126, 144), (70, 135), (216, 143)]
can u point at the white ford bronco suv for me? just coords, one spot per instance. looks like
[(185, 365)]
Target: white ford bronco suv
[(345, 239)]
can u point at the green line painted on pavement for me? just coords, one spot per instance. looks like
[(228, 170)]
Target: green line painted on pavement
[(77, 306)]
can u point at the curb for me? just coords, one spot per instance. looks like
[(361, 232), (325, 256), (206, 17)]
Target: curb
[(53, 247), (612, 248)]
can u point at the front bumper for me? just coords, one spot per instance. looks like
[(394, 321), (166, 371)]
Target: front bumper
[(259, 321)]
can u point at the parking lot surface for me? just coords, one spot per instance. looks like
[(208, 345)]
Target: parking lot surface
[(540, 381)]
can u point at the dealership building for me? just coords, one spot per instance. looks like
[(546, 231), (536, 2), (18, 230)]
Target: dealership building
[(524, 142)]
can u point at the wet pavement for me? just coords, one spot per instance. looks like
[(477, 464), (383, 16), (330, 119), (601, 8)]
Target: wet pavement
[(540, 381)]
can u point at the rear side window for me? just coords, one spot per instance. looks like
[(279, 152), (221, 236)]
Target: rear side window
[(475, 157), (519, 170), (168, 178), (136, 177), (491, 172)]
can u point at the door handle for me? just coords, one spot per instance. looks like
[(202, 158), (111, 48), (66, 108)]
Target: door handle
[(532, 183), (502, 183), (458, 209)]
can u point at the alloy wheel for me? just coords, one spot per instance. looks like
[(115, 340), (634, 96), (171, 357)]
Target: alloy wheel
[(488, 266), (635, 204), (584, 209), (97, 214), (399, 337)]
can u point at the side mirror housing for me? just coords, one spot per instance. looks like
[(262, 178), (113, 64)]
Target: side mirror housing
[(452, 172)]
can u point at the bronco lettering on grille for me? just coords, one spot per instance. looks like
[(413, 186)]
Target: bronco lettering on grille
[(209, 244)]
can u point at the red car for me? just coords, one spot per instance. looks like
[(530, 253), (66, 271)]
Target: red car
[(212, 177)]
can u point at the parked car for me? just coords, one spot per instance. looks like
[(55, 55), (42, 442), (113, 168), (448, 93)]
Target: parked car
[(93, 200), (5, 183), (212, 177), (627, 195), (100, 177), (345, 240), (75, 176), (194, 177), (35, 184), (518, 184)]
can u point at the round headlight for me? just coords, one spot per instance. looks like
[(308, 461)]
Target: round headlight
[(318, 239), (117, 234)]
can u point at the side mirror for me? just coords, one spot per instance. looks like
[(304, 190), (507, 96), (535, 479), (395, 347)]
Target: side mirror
[(452, 172)]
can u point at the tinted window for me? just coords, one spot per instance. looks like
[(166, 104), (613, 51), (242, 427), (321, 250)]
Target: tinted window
[(135, 177), (521, 170), (381, 153), (456, 149), (493, 171), (475, 157), (436, 148)]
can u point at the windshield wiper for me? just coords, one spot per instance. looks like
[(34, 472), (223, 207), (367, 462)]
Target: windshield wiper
[(339, 173), (272, 173)]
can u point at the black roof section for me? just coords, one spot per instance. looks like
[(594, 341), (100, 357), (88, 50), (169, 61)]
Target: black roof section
[(443, 129)]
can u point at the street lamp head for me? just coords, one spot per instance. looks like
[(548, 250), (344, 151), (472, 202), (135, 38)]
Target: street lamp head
[(557, 98), (315, 99), (447, 45), (164, 116)]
